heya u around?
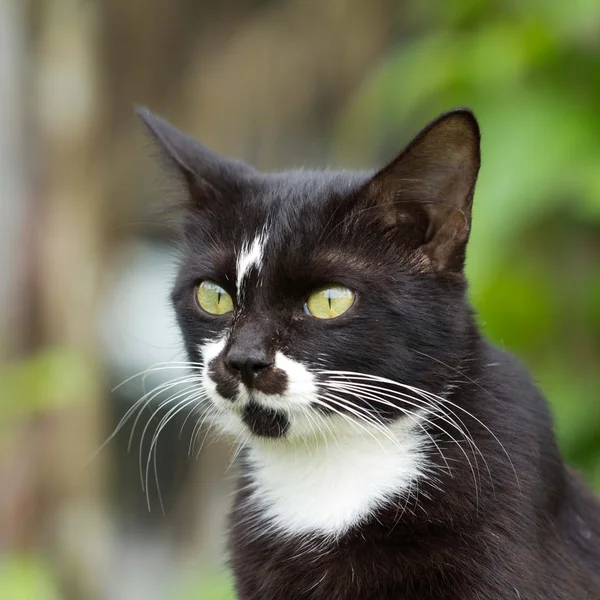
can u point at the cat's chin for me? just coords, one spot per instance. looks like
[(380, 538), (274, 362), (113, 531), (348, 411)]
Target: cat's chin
[(265, 422)]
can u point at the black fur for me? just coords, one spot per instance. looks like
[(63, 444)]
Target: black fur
[(527, 527)]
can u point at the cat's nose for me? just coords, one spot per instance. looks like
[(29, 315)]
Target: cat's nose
[(248, 366)]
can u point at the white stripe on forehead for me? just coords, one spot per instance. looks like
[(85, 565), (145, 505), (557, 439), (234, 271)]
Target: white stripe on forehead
[(250, 255)]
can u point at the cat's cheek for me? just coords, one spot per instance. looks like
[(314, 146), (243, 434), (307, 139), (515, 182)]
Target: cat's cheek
[(209, 351), (301, 389), (231, 424), (210, 388)]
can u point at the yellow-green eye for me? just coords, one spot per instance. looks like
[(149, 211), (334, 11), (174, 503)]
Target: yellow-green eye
[(213, 298), (329, 302)]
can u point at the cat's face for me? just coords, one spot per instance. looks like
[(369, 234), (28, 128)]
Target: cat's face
[(325, 303)]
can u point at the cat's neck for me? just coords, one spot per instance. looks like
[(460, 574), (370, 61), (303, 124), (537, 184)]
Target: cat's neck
[(326, 487)]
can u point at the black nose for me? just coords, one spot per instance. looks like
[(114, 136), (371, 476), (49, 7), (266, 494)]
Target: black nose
[(247, 366)]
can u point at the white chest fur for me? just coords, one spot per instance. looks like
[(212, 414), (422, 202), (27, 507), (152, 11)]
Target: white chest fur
[(328, 488)]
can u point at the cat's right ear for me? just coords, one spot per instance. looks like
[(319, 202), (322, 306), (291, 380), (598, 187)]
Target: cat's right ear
[(206, 174), (429, 188)]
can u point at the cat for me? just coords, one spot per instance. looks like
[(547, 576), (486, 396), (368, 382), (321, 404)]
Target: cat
[(388, 451)]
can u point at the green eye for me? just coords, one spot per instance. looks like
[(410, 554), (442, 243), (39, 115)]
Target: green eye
[(329, 302), (213, 298)]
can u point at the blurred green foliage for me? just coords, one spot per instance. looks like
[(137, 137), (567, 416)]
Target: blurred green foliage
[(530, 69), (49, 380), (23, 578), (207, 588), (531, 72)]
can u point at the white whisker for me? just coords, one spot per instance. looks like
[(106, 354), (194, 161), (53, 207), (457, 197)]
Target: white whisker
[(162, 404), (364, 391), (152, 452), (424, 393), (403, 411)]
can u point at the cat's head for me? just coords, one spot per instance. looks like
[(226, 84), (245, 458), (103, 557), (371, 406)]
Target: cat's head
[(325, 302)]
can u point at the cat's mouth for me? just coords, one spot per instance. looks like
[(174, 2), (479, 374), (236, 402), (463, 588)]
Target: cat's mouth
[(264, 421)]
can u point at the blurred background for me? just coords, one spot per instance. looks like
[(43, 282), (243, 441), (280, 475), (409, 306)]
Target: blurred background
[(86, 263)]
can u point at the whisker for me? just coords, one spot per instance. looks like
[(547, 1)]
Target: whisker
[(170, 399), (405, 413), (314, 420), (351, 374), (335, 400), (137, 405), (156, 392), (171, 414), (208, 432), (208, 410), (156, 368), (152, 452), (406, 399)]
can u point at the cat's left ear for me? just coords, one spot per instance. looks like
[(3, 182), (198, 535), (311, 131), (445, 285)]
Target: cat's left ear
[(429, 186), (208, 176)]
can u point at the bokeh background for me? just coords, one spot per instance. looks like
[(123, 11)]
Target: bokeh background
[(86, 261)]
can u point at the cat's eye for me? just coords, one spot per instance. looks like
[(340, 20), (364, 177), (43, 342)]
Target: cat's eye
[(213, 298), (329, 302)]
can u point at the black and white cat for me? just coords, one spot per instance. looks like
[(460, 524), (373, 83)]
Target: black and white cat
[(389, 451)]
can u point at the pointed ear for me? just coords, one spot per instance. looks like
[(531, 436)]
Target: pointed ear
[(204, 172), (430, 186)]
